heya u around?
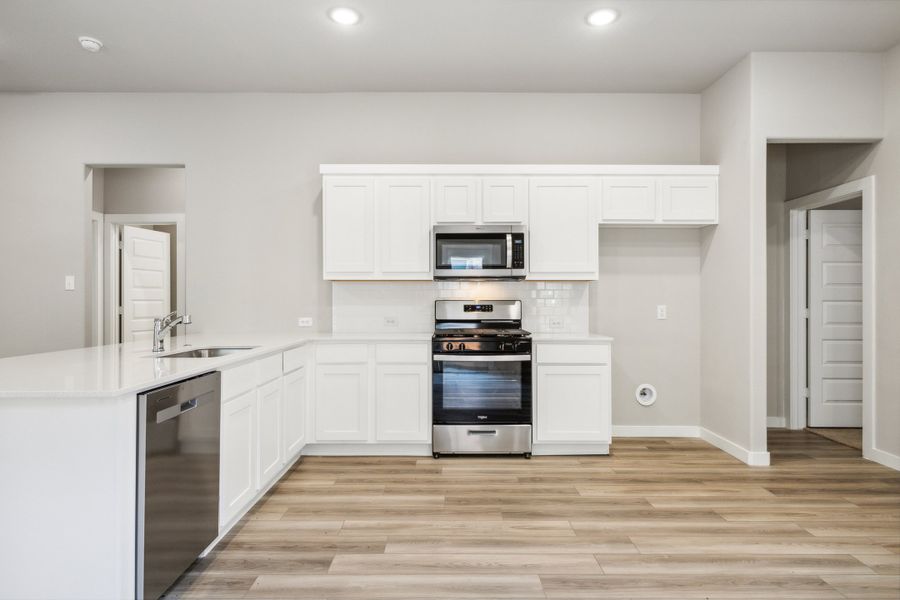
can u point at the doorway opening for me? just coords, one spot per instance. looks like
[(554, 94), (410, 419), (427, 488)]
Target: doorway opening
[(821, 291), (137, 253)]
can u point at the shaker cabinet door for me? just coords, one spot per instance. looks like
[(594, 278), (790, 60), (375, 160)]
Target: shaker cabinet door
[(342, 403), (563, 228), (348, 224), (404, 227)]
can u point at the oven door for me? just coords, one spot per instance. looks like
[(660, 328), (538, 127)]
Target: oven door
[(472, 255), (481, 388)]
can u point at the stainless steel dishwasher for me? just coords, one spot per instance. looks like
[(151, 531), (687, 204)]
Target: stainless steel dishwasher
[(178, 479)]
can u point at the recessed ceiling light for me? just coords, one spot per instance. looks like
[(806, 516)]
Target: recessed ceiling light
[(602, 17), (344, 16), (90, 44)]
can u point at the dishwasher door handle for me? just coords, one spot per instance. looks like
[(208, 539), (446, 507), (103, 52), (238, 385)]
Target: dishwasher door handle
[(175, 411)]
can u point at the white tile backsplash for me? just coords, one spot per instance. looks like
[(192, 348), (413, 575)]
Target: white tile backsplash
[(363, 307)]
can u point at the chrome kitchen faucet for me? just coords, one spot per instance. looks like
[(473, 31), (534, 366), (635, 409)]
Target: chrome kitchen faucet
[(162, 326)]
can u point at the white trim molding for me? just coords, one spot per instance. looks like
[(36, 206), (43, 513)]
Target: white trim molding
[(629, 431), (797, 211), (775, 422), (754, 459), (423, 169), (365, 449), (883, 458)]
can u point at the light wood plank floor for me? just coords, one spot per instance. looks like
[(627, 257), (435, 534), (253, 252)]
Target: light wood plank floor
[(660, 518)]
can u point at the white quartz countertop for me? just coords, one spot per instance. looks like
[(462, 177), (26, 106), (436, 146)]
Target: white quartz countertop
[(116, 370), (582, 338)]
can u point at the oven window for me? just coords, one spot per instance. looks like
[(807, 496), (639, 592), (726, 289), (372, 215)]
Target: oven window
[(484, 386), (471, 251)]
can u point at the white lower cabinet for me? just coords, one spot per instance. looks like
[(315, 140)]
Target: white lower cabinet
[(252, 433), (372, 394), (269, 426), (238, 465), (401, 402), (295, 421), (342, 403), (573, 397)]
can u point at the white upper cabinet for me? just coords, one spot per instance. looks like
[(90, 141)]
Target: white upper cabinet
[(504, 200), (563, 228), (348, 227), (377, 228), (378, 219), (404, 231), (456, 199), (663, 200), (628, 200), (689, 200)]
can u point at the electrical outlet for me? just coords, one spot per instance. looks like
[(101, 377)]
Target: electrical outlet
[(304, 322), (556, 322), (661, 311), (390, 321), (70, 283)]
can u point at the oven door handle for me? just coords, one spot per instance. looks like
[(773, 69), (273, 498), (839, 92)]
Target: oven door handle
[(482, 358)]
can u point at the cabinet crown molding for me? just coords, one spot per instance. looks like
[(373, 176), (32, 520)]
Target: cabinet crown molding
[(426, 169)]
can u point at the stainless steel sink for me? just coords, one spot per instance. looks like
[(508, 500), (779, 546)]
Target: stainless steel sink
[(211, 352)]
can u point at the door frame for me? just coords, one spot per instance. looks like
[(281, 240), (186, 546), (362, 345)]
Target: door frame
[(112, 226), (797, 210)]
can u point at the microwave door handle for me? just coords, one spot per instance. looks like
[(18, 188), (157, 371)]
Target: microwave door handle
[(509, 251)]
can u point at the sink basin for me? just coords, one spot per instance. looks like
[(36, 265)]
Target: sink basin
[(212, 352)]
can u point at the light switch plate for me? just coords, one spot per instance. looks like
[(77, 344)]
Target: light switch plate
[(70, 283), (662, 311), (304, 322), (556, 322)]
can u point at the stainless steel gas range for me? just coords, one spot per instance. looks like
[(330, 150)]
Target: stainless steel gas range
[(481, 378)]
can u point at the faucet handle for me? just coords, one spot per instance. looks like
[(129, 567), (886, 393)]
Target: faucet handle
[(186, 320), (165, 320)]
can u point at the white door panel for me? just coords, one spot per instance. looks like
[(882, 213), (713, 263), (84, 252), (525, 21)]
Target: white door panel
[(404, 207), (146, 281), (348, 211), (835, 323)]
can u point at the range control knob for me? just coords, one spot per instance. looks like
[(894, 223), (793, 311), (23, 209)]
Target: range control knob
[(449, 346), (462, 346)]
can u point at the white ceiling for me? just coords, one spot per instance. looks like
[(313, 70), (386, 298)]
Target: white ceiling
[(416, 45)]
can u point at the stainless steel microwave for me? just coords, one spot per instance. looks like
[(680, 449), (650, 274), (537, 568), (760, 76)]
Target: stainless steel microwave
[(476, 252)]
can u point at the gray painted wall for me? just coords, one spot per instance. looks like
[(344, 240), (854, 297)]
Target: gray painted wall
[(253, 191)]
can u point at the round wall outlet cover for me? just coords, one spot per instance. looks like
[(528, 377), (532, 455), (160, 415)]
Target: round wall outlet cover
[(645, 394)]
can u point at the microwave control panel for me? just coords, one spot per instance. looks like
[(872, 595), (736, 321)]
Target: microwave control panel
[(518, 252)]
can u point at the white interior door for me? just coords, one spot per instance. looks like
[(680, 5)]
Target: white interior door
[(146, 281), (835, 318)]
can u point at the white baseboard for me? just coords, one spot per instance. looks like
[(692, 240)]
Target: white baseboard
[(883, 458), (754, 459), (569, 449), (655, 431), (777, 422), (354, 449)]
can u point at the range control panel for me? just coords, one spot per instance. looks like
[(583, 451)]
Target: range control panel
[(482, 308)]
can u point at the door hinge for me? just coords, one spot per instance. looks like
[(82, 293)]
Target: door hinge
[(120, 311), (806, 393), (121, 245), (805, 313), (806, 234)]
